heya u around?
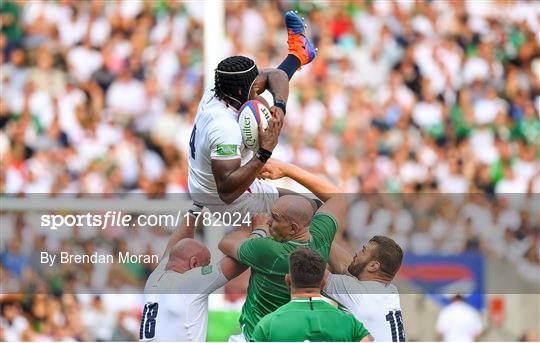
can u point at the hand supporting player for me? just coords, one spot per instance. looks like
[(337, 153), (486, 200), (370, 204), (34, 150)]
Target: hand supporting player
[(273, 170), (260, 223)]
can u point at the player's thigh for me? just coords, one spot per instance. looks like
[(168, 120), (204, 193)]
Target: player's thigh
[(261, 197), (285, 191)]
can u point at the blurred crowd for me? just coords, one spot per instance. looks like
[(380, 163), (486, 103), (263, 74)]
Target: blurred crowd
[(98, 97), (404, 96), (506, 228), (412, 96), (69, 318), (409, 96)]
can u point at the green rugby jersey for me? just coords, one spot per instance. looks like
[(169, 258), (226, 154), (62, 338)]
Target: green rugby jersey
[(269, 262), (314, 320)]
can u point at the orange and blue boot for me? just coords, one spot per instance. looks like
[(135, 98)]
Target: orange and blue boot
[(299, 45)]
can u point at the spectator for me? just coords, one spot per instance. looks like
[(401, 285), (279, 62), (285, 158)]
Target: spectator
[(13, 322), (14, 259), (459, 322)]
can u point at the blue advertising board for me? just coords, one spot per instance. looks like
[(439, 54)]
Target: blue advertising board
[(441, 276)]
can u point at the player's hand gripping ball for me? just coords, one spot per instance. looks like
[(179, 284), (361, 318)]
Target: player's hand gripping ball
[(252, 115)]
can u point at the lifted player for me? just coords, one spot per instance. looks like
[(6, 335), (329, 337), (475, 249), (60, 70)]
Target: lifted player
[(221, 170)]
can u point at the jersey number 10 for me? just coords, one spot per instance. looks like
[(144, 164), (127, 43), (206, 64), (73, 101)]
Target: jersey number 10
[(396, 326)]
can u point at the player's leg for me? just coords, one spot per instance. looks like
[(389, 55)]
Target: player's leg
[(301, 49), (262, 196)]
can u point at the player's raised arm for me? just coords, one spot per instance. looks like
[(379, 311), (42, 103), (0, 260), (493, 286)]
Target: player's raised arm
[(230, 243), (231, 268), (232, 179), (335, 203), (277, 83), (339, 259), (276, 169), (186, 229)]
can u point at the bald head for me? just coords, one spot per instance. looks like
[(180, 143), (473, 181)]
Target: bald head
[(295, 208), (187, 254), (291, 216)]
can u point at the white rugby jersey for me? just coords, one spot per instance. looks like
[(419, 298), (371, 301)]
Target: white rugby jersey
[(373, 303), (176, 305), (215, 135)]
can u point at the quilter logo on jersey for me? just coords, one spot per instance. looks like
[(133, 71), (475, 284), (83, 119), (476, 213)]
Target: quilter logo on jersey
[(439, 276)]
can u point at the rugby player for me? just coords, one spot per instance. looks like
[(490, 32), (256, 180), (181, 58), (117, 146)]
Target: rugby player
[(368, 292), (308, 316), (222, 171), (292, 224), (176, 293)]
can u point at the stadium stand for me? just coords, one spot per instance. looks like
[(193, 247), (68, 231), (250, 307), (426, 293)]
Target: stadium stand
[(404, 97)]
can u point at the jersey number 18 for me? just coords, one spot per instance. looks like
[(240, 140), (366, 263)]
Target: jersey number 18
[(148, 321)]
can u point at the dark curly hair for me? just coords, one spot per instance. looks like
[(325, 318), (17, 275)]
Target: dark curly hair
[(306, 268), (234, 77)]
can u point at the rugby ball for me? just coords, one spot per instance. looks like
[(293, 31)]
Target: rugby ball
[(252, 115)]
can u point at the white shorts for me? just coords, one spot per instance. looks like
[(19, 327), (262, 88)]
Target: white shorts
[(259, 198), (238, 338)]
